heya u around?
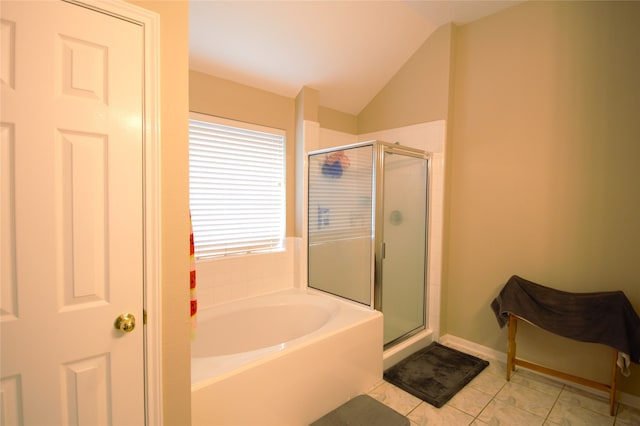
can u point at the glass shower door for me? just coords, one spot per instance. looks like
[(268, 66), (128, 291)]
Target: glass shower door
[(404, 250), (340, 223)]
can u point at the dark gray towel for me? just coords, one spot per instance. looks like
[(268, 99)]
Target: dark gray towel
[(602, 317), (362, 410)]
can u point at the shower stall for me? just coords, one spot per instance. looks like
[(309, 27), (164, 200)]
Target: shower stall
[(367, 230)]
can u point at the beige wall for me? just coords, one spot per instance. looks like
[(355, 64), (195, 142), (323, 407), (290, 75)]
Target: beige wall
[(176, 359), (543, 158), (419, 92), (337, 120), (224, 98)]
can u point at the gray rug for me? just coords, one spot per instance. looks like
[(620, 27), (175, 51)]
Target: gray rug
[(435, 374), (362, 411)]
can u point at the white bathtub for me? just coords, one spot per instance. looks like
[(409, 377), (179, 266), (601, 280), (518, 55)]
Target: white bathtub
[(282, 359)]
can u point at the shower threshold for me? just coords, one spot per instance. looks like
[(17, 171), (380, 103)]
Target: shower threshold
[(404, 346)]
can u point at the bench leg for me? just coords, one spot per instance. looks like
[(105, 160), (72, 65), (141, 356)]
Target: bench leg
[(612, 390), (511, 366), (511, 351)]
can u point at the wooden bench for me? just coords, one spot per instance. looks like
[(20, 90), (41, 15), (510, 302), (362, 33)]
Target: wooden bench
[(512, 361)]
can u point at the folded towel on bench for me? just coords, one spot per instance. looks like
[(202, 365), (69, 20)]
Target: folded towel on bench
[(601, 317)]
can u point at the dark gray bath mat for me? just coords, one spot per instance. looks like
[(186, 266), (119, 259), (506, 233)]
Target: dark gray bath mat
[(362, 411), (435, 374)]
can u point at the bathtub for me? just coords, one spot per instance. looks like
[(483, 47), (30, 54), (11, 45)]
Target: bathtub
[(282, 359)]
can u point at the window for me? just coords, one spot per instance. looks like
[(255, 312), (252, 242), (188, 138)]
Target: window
[(237, 186)]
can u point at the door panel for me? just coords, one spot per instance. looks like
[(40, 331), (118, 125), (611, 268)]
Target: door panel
[(340, 225), (71, 193), (404, 236)]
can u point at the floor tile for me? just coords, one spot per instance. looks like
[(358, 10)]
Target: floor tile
[(394, 397), (498, 413), (488, 382), (426, 414), (537, 382), (477, 422), (498, 368), (526, 398), (627, 416), (570, 414), (470, 400), (583, 399)]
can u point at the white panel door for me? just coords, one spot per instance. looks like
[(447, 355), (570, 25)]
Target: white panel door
[(70, 216)]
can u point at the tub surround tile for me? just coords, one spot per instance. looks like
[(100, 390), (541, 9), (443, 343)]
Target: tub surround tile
[(221, 294), (255, 286), (206, 297), (242, 276), (239, 290), (239, 268), (425, 414)]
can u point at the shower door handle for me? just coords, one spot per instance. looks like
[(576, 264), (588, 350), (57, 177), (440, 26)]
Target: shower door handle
[(384, 250)]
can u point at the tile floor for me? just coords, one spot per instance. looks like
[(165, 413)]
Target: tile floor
[(528, 399)]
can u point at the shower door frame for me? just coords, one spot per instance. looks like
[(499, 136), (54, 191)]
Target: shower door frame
[(381, 149), (377, 243), (374, 162)]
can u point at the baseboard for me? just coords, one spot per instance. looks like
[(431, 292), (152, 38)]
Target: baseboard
[(482, 351), (486, 352)]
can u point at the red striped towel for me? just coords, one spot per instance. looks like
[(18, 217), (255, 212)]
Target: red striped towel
[(192, 278)]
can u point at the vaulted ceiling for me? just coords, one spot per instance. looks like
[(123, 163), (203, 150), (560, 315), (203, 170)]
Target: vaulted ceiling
[(347, 50)]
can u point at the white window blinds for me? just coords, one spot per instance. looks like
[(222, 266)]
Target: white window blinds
[(237, 186)]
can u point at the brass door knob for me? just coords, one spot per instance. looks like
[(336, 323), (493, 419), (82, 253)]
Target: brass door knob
[(125, 323)]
